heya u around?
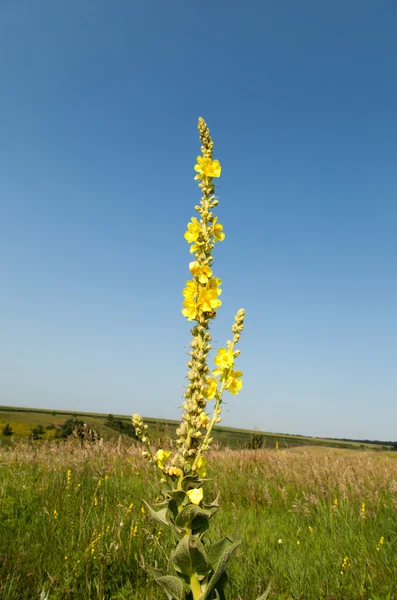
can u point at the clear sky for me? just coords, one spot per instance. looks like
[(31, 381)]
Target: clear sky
[(99, 104)]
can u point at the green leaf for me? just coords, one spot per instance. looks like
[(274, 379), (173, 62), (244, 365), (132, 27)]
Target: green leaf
[(188, 479), (214, 504), (177, 495), (157, 573), (173, 587), (219, 555), (160, 515), (190, 557), (189, 513)]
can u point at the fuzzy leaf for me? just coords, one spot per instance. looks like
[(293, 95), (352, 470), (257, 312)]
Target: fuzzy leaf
[(160, 515), (219, 555), (190, 557), (189, 514), (173, 587), (214, 504), (177, 495), (157, 573)]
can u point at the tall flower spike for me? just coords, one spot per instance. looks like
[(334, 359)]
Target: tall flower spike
[(201, 303), (195, 570)]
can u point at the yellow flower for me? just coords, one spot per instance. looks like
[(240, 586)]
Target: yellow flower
[(202, 272), (193, 231), (217, 231), (55, 513), (161, 456), (175, 471), (224, 360), (190, 291), (232, 384), (201, 467), (195, 248), (196, 495), (204, 418), (190, 309), (206, 167), (214, 283), (208, 299), (210, 391)]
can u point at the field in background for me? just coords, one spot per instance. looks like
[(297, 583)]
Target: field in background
[(315, 522), (22, 420)]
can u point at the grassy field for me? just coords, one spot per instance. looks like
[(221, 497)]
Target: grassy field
[(22, 420), (315, 522)]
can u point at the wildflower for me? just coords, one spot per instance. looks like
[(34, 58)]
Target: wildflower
[(200, 303), (298, 542), (211, 388), (69, 477), (335, 505), (206, 167), (280, 541), (345, 565), (362, 512), (131, 506), (380, 544), (190, 291), (208, 299), (310, 529), (190, 309), (276, 444), (201, 467), (195, 495), (214, 283), (174, 471), (95, 501), (202, 272), (224, 360), (204, 419), (193, 231), (160, 457), (232, 384), (55, 513), (217, 230)]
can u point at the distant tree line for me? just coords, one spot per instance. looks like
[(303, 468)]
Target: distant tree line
[(121, 426)]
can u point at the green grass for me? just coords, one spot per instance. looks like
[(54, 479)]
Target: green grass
[(86, 539)]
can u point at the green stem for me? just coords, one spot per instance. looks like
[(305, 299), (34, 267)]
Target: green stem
[(214, 416), (195, 587), (211, 425)]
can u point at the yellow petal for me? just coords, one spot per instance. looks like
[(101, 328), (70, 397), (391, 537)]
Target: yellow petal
[(196, 495)]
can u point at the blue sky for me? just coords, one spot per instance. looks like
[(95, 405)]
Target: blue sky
[(99, 104)]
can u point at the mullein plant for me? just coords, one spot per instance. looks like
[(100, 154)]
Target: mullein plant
[(196, 567)]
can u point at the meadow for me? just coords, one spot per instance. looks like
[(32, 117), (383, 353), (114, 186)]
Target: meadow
[(315, 522)]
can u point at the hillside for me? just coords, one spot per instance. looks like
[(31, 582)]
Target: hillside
[(23, 420)]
